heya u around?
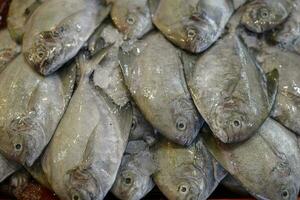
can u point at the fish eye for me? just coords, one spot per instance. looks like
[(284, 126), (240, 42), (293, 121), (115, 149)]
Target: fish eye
[(130, 20), (191, 33), (128, 181), (264, 13), (181, 124), (236, 123), (18, 147), (183, 189), (285, 194)]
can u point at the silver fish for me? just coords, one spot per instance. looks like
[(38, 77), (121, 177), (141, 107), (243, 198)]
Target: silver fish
[(267, 165), (134, 179), (186, 173), (131, 17), (18, 14), (8, 49), (153, 72), (50, 40), (31, 107), (230, 89), (7, 167), (192, 25), (264, 15), (80, 162)]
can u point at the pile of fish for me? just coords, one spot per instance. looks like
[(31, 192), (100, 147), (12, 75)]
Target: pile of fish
[(118, 96)]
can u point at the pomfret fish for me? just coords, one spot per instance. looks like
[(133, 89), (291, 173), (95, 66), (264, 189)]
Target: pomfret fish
[(31, 107), (50, 40), (267, 165), (264, 15), (131, 17), (80, 162), (193, 25), (153, 72), (186, 173), (230, 89)]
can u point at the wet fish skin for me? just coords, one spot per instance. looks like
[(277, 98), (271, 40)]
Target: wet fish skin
[(131, 17), (192, 25), (186, 173), (50, 43), (108, 75), (27, 101), (235, 105), (272, 174), (134, 179), (233, 185), (153, 73), (8, 49), (18, 14), (264, 15), (288, 37), (7, 167)]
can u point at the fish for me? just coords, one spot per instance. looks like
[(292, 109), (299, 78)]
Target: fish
[(18, 14), (31, 107), (80, 162), (191, 25), (264, 15), (186, 172), (18, 181), (108, 75), (8, 49), (134, 179), (233, 185), (286, 108), (131, 17), (267, 165), (7, 168), (230, 89), (37, 173), (52, 40), (153, 73), (288, 36)]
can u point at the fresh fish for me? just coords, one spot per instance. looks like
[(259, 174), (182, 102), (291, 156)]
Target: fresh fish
[(264, 15), (267, 165), (36, 171), (287, 105), (50, 40), (134, 179), (186, 173), (289, 35), (192, 25), (18, 14), (31, 107), (131, 17), (83, 157), (233, 185), (7, 168), (230, 90), (108, 75), (8, 49), (153, 72)]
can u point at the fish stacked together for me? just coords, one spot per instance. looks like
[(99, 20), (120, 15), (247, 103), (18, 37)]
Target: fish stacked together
[(123, 95)]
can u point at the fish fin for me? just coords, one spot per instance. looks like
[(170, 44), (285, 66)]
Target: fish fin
[(188, 62), (153, 5), (272, 85), (96, 42)]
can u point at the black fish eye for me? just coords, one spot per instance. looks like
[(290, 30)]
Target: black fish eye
[(181, 124), (183, 189), (264, 13), (130, 20), (285, 194), (18, 147), (191, 33), (236, 123), (75, 197), (128, 180)]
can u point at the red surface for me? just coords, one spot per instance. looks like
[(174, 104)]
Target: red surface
[(4, 5), (36, 192)]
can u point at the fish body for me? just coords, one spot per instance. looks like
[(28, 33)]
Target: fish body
[(186, 173), (153, 73), (267, 165), (230, 89), (51, 40), (7, 167), (31, 107)]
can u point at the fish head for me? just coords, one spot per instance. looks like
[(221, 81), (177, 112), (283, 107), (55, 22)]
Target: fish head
[(261, 16), (200, 33), (82, 185), (186, 121), (133, 21), (46, 53), (26, 140), (231, 123), (132, 184)]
